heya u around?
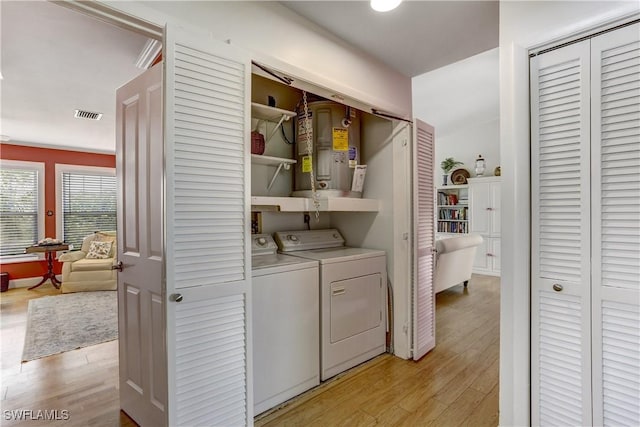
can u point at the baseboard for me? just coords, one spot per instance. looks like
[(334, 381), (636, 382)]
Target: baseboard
[(28, 282)]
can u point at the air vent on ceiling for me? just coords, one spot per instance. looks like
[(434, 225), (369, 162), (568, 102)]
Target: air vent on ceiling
[(81, 114)]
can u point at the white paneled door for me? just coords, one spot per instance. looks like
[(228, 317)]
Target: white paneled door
[(208, 267), (586, 232), (424, 316), (141, 321)]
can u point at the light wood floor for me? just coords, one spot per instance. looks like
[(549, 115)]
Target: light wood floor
[(455, 384), (83, 382)]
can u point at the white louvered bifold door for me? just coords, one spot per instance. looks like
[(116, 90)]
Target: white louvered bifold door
[(560, 346), (207, 124), (424, 305), (615, 96)]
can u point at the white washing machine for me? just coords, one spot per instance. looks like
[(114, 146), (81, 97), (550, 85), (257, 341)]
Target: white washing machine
[(352, 297), (286, 330)]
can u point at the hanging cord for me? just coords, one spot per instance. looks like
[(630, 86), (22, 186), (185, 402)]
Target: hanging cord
[(284, 136), (307, 128)]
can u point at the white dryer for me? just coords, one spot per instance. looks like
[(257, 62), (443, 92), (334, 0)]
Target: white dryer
[(285, 309), (352, 297)]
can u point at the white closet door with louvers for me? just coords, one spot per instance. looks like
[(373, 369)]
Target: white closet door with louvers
[(424, 305), (615, 171), (207, 125), (560, 348)]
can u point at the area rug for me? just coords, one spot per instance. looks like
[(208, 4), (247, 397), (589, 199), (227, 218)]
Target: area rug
[(67, 322)]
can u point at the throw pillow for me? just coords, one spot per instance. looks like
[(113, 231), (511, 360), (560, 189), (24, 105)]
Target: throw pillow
[(99, 250), (103, 237)]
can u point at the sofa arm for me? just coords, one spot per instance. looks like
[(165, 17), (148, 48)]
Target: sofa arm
[(457, 243), (72, 256)]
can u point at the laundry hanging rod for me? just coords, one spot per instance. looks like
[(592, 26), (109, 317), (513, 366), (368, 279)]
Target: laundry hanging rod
[(586, 37), (284, 79)]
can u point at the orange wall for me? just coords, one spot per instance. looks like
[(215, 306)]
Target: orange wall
[(50, 158)]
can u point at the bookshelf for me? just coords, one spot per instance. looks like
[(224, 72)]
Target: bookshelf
[(452, 209)]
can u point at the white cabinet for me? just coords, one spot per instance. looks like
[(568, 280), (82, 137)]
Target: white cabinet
[(484, 207), (484, 201), (487, 260)]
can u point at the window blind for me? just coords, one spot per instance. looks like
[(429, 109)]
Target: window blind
[(18, 210), (88, 205)]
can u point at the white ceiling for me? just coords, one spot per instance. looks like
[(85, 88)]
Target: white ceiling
[(55, 60), (416, 37)]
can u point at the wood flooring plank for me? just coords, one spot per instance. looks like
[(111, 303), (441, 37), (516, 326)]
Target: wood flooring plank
[(424, 414), (486, 413), (460, 410)]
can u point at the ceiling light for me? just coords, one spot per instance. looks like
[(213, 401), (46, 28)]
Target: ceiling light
[(384, 5)]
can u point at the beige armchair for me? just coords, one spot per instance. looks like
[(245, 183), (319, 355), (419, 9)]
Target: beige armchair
[(81, 273), (454, 260)]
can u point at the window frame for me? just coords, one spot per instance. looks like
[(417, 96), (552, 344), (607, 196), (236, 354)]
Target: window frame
[(61, 169), (39, 167)]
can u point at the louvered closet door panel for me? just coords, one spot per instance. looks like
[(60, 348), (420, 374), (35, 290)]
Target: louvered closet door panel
[(615, 95), (207, 126), (561, 392), (424, 331)]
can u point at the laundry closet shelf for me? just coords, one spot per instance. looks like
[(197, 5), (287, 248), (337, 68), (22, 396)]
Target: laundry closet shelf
[(272, 161), (270, 114), (301, 204)]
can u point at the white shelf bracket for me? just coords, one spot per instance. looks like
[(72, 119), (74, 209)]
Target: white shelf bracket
[(275, 130), (286, 166)]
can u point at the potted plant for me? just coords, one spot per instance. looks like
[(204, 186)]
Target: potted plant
[(446, 165)]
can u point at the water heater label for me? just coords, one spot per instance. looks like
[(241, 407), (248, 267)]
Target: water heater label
[(302, 125), (306, 164), (353, 156), (340, 139)]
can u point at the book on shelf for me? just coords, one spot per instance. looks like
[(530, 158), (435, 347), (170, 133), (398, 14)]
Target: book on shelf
[(447, 199), (452, 227)]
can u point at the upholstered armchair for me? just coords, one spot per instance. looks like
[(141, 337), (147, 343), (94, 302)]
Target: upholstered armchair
[(454, 260), (90, 268)]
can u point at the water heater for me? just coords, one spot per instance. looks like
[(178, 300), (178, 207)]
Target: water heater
[(335, 135)]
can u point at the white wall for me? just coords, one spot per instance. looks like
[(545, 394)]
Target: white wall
[(465, 145), (461, 101), (278, 37), (524, 25)]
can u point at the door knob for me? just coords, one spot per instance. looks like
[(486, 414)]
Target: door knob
[(175, 297), (557, 287), (119, 266)]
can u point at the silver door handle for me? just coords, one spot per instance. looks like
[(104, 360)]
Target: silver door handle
[(557, 287), (337, 292), (119, 266), (175, 297)]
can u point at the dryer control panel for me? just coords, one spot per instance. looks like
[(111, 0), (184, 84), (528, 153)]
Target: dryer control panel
[(289, 241), (262, 244)]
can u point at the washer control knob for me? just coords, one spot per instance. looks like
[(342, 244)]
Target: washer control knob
[(335, 236), (293, 237), (261, 241)]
